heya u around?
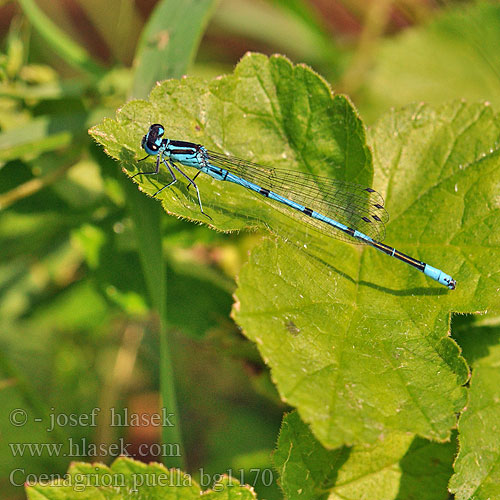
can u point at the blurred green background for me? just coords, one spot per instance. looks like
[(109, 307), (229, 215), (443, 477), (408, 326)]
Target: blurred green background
[(77, 327)]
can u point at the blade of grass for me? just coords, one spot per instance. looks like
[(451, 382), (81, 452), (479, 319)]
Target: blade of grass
[(167, 47), (169, 42), (65, 47)]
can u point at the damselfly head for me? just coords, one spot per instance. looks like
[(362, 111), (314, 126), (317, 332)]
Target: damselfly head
[(151, 142)]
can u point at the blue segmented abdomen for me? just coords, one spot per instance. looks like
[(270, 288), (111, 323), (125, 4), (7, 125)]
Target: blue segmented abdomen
[(337, 204), (339, 208), (292, 204)]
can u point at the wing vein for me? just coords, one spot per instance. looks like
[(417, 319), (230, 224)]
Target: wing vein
[(353, 205)]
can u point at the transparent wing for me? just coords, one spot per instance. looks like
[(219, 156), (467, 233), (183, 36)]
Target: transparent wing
[(353, 205)]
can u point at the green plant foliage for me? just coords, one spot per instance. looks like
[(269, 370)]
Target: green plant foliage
[(168, 44), (371, 355), (45, 134), (64, 45), (360, 344), (454, 56), (366, 348), (356, 341), (398, 467), (272, 23), (268, 111), (477, 474), (127, 478)]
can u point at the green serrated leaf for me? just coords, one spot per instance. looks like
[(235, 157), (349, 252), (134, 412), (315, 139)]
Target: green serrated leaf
[(369, 352), (357, 360), (398, 467), (268, 111), (126, 479), (477, 471)]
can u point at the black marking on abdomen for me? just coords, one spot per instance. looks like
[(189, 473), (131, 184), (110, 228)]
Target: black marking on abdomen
[(307, 211), (399, 255), (264, 192)]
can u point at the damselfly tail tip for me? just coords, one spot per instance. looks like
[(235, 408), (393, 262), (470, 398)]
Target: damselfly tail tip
[(452, 284)]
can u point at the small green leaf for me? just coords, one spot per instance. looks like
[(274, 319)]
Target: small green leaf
[(127, 478), (400, 467), (268, 111), (477, 470)]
